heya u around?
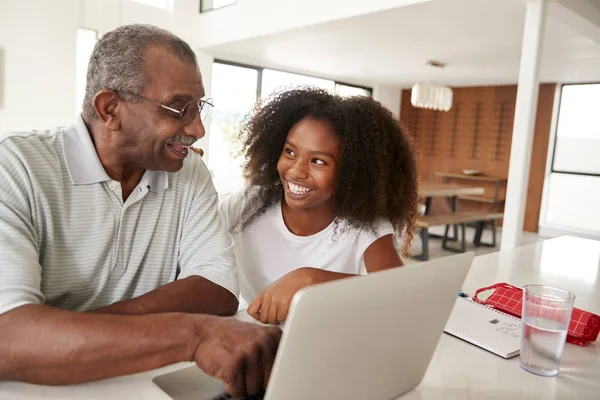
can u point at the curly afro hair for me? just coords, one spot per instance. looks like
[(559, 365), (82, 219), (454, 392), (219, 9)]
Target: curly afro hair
[(378, 173)]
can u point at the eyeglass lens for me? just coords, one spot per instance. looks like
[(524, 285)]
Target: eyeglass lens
[(191, 110)]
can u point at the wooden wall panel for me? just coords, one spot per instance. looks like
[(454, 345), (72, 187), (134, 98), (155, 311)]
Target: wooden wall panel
[(539, 156), (476, 134)]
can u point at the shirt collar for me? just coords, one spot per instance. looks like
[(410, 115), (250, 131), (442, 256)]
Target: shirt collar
[(85, 167), (156, 181)]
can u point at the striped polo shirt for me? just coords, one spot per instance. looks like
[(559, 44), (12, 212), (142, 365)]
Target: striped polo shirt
[(68, 240)]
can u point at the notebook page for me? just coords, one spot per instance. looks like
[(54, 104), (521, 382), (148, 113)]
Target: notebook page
[(487, 328)]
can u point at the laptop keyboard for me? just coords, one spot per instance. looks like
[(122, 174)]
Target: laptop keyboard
[(225, 396)]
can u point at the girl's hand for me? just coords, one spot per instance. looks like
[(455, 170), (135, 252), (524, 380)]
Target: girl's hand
[(197, 150), (273, 304)]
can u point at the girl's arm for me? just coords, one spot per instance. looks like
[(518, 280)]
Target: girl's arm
[(382, 254), (273, 303)]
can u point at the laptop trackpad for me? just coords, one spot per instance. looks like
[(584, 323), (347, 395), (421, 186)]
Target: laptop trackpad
[(189, 384)]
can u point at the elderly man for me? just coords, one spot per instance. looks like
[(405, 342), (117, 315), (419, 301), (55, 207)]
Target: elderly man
[(112, 248)]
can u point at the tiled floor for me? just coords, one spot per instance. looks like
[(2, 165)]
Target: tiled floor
[(435, 245)]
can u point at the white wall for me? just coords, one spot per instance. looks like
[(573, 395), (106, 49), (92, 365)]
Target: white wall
[(38, 46), (38, 43), (389, 96), (38, 49), (252, 18)]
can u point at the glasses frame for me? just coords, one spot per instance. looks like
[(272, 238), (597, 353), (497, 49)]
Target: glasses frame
[(200, 104)]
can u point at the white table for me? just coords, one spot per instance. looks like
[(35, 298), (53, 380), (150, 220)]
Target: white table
[(458, 369)]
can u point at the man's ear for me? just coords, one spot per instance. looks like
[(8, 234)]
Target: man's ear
[(106, 103)]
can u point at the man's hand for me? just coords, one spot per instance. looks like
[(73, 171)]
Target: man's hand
[(241, 354), (273, 304)]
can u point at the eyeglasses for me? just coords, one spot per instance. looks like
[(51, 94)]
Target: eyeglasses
[(189, 111)]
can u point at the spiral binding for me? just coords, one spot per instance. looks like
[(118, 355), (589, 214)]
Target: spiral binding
[(470, 300)]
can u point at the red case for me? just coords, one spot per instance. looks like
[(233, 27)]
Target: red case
[(584, 326)]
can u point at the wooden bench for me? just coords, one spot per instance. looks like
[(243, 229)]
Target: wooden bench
[(457, 219)]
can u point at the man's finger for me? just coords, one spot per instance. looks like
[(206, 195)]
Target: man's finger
[(269, 353), (222, 364), (253, 370), (236, 387)]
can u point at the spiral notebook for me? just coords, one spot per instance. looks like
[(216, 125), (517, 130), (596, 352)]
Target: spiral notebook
[(485, 327)]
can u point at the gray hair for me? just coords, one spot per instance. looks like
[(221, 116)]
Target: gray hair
[(117, 61)]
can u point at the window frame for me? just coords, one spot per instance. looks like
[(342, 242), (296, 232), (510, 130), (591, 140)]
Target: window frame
[(167, 7), (553, 170), (261, 69), (366, 88), (202, 10), (225, 181)]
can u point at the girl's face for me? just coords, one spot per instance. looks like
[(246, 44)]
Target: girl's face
[(308, 164)]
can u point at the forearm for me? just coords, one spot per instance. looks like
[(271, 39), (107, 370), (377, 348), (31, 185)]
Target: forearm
[(321, 276), (192, 295), (46, 345)]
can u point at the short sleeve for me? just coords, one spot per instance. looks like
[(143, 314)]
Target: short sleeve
[(367, 237), (20, 270), (206, 246), (231, 207)]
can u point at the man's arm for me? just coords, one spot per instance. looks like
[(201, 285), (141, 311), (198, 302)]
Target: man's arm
[(208, 277), (193, 295), (47, 345), (206, 258)]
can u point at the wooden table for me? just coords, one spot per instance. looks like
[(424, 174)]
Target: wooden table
[(429, 190), (494, 201), (458, 370), (436, 189)]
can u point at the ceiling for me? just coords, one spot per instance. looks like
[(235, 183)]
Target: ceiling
[(480, 40)]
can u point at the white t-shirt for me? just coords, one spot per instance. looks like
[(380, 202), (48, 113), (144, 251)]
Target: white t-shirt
[(266, 250)]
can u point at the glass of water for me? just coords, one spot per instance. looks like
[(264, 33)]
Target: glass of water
[(546, 316)]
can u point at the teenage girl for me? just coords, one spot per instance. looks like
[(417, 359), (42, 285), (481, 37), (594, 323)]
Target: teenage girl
[(329, 182)]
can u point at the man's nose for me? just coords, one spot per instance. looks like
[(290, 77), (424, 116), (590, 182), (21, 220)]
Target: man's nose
[(195, 128)]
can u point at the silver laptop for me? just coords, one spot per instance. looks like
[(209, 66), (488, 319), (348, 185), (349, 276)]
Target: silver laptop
[(369, 337)]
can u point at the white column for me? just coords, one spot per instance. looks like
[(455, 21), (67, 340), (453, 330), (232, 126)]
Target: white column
[(524, 124)]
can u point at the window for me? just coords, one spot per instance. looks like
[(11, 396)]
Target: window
[(273, 80), (86, 40), (573, 186), (207, 5), (235, 88), (162, 4), (578, 132), (350, 90)]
